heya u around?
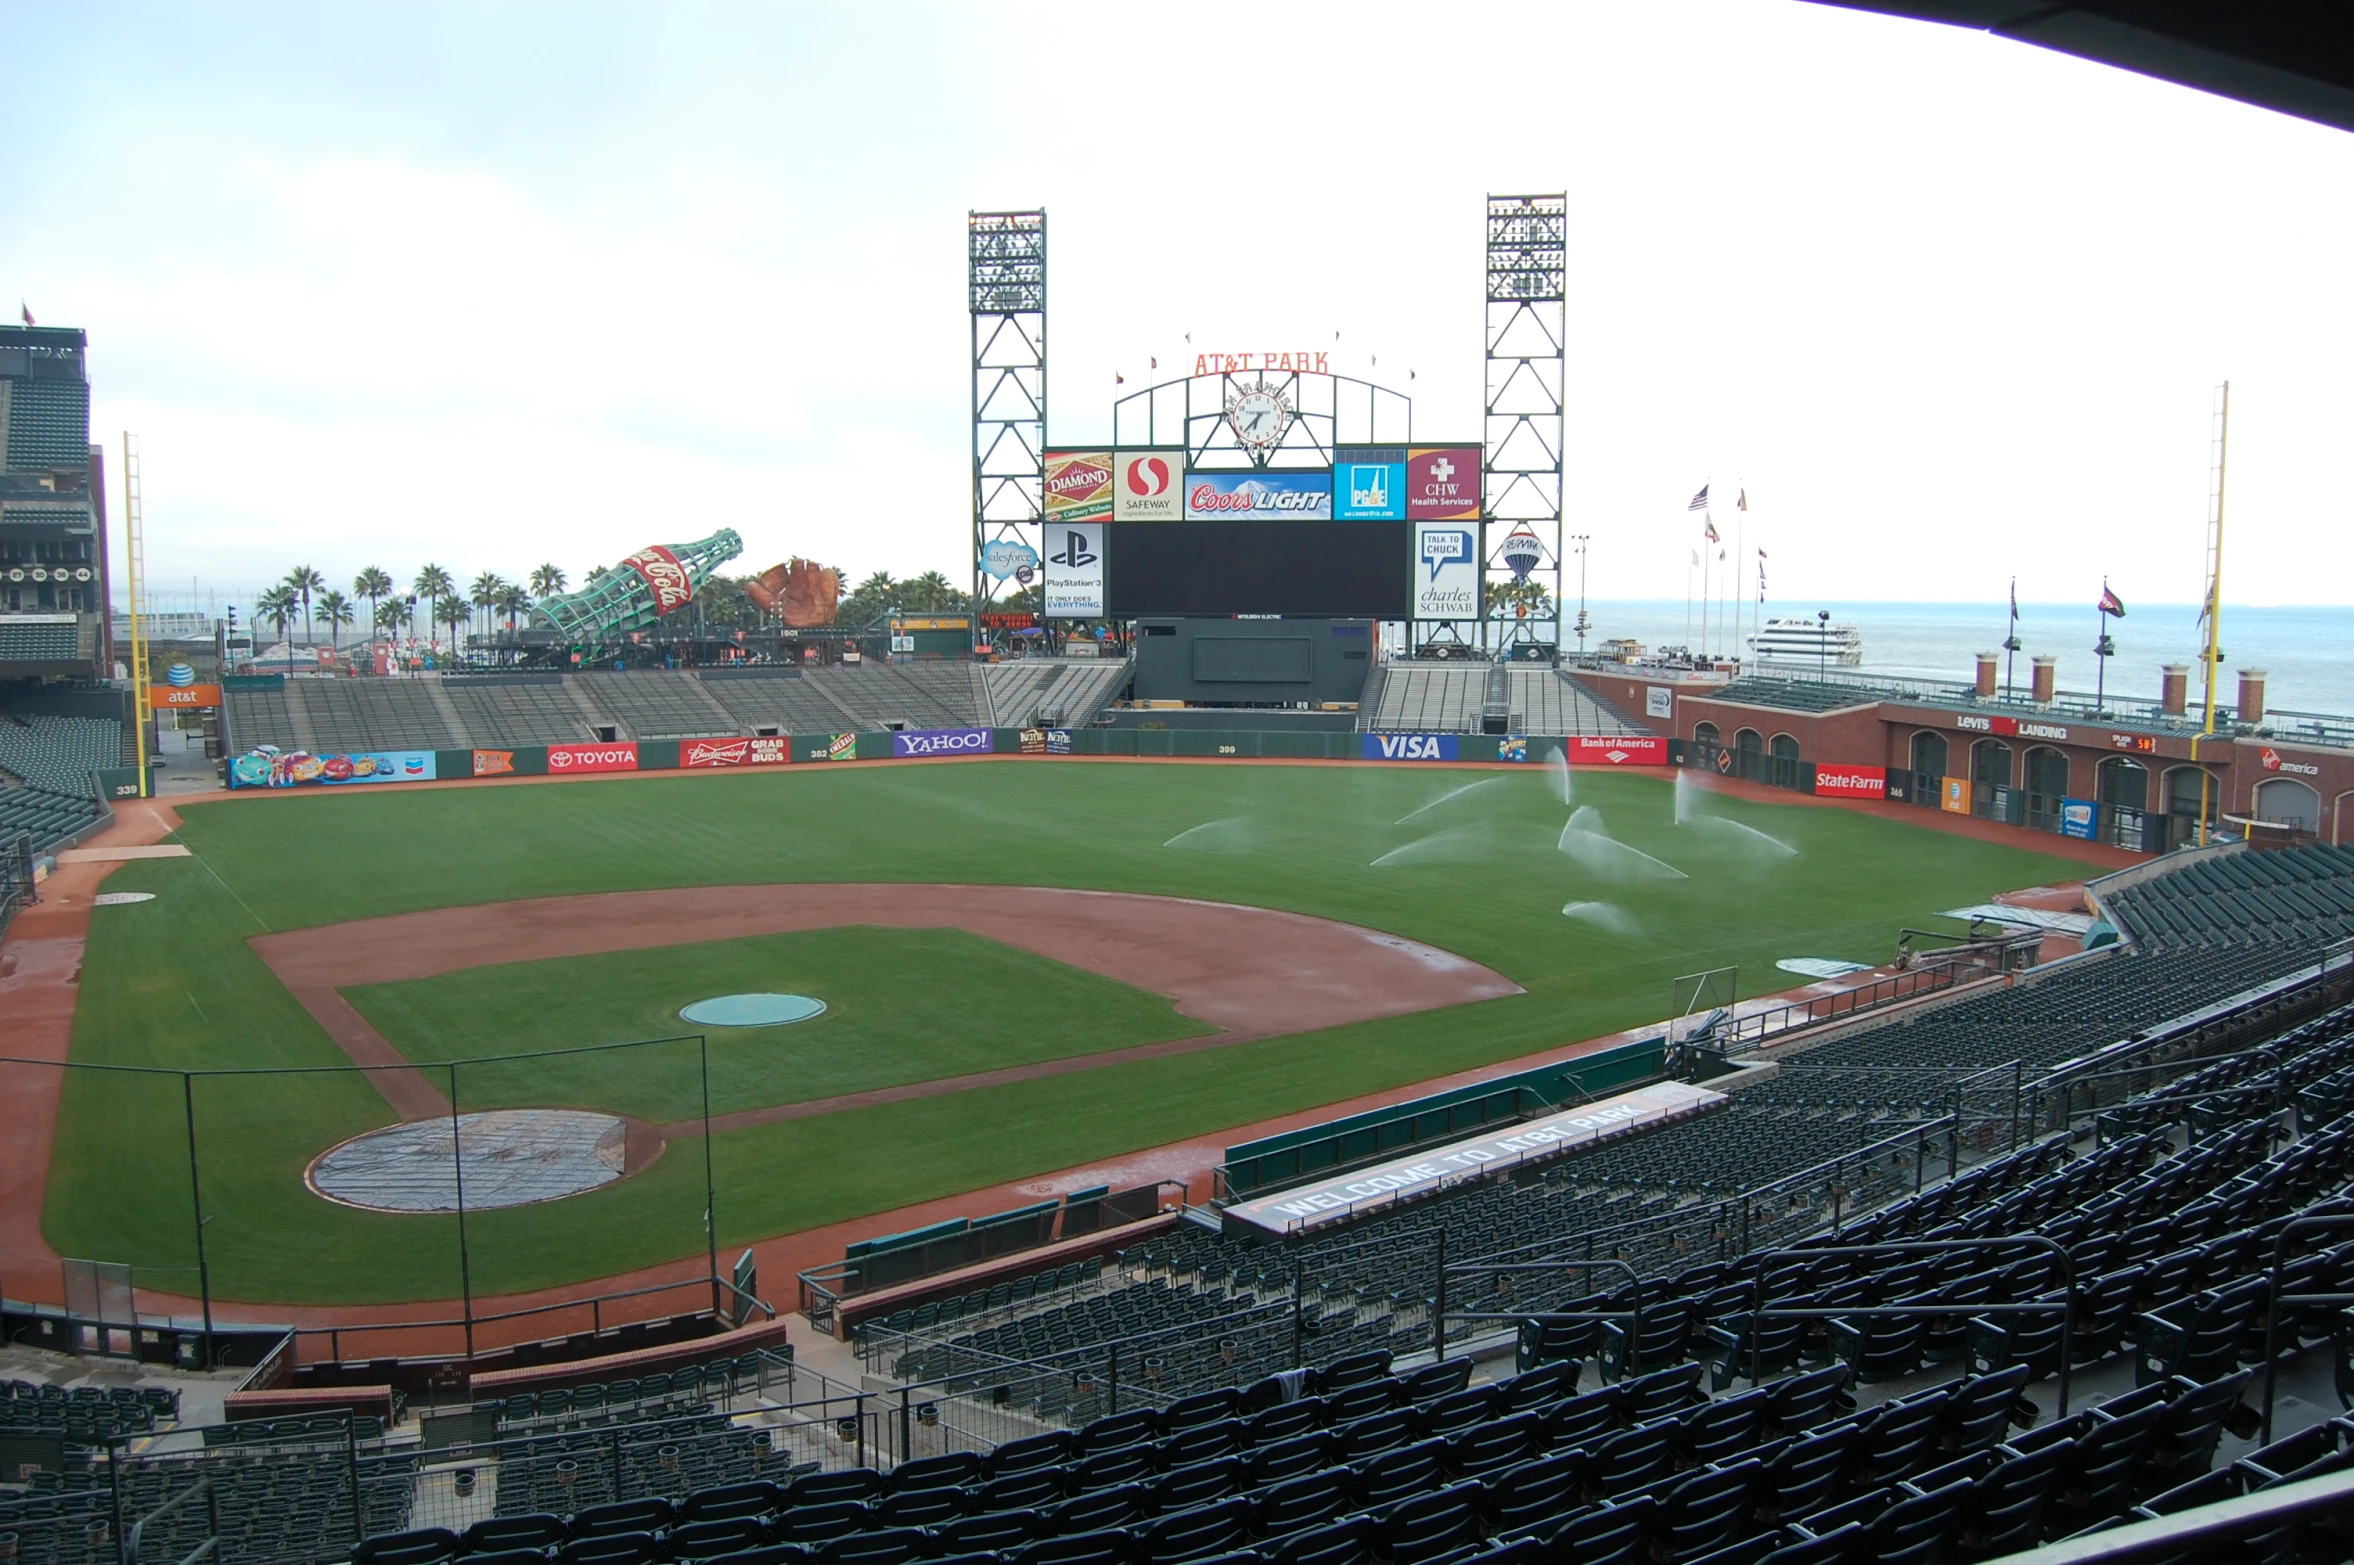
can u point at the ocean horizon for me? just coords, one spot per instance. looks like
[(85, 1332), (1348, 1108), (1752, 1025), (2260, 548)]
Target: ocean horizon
[(2306, 650)]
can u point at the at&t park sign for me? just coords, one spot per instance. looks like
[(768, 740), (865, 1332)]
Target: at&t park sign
[(1264, 363)]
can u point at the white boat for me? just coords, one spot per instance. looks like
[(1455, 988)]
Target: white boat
[(1808, 642)]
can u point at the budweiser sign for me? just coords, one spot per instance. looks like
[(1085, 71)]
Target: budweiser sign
[(664, 577), (567, 758), (734, 752)]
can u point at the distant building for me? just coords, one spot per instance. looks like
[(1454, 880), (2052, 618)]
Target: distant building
[(53, 566)]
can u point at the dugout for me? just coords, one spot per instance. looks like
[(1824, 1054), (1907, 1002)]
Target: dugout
[(1253, 662)]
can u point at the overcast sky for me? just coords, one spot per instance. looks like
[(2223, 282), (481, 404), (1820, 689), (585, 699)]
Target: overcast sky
[(497, 284)]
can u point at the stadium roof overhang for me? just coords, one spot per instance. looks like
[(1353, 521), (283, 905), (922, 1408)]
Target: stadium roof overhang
[(2293, 56)]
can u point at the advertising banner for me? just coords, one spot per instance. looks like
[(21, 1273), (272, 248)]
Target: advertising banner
[(1003, 557), (565, 759), (1411, 747), (1046, 741), (1851, 782), (1955, 799), (268, 768), (832, 747), (494, 763), (1258, 497), (1446, 572), (1659, 701), (163, 698), (941, 741), (734, 752), (1344, 1195), (1624, 750), (1073, 587), (2079, 819), (1442, 484), (1369, 484), (664, 577), (1148, 486), (1078, 485)]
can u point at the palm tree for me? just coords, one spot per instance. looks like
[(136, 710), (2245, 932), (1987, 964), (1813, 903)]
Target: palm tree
[(304, 581), (546, 581), (513, 600), (485, 591), (388, 615), (375, 585), (455, 612), (336, 610), (929, 593), (432, 584), (277, 605)]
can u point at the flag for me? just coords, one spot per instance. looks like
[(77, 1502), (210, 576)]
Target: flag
[(2207, 609), (1708, 530), (1695, 556), (1700, 500), (1156, 363), (1119, 379), (1760, 553), (1720, 554), (1742, 504), (25, 310), (2014, 600), (2111, 604)]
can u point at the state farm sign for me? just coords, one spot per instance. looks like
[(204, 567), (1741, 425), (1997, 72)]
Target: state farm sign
[(1851, 782), (568, 758), (734, 752)]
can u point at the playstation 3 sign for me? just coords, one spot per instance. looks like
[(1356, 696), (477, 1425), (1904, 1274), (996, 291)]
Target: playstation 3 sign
[(1411, 747), (1073, 587)]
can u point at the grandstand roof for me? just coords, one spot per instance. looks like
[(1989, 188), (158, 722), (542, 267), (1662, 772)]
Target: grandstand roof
[(2292, 56)]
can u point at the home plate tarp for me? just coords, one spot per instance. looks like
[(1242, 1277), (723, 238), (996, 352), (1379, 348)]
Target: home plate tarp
[(1367, 1189)]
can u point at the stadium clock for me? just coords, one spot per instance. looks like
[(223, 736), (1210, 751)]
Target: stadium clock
[(1258, 416)]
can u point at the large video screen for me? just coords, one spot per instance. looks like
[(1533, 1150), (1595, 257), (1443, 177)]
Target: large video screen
[(1341, 569)]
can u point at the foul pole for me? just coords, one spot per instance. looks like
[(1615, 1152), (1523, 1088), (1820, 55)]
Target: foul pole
[(2212, 653), (135, 552)]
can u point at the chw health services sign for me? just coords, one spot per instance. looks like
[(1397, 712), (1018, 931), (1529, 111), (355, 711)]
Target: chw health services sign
[(1345, 1195)]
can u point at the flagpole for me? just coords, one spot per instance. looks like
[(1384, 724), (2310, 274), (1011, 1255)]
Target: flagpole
[(1740, 558), (1705, 546)]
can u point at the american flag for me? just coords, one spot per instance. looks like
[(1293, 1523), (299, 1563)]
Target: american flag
[(1700, 500)]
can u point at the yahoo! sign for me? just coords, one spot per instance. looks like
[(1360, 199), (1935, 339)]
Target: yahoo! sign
[(941, 741)]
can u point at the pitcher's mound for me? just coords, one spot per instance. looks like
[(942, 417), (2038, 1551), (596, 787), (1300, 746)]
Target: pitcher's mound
[(752, 1010)]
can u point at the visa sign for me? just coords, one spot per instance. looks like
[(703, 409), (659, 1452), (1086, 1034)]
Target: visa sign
[(1410, 747)]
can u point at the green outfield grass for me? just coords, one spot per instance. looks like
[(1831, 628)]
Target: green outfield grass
[(978, 1006), (171, 983)]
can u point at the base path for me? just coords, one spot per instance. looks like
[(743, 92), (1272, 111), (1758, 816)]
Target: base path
[(1251, 972)]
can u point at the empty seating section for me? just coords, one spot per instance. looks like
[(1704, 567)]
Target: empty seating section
[(516, 711), (1017, 690), (918, 695), (28, 639), (2297, 895), (656, 703), (52, 758), (786, 702), (257, 717), (1797, 695), (1430, 698), (371, 714), (1082, 694), (1543, 702), (1038, 1288)]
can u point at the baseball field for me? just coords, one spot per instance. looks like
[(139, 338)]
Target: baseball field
[(972, 1035)]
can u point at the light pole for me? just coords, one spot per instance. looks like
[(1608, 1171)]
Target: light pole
[(1580, 540), (1822, 644)]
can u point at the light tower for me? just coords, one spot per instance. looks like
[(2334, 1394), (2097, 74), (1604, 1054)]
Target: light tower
[(1005, 256), (1527, 319)]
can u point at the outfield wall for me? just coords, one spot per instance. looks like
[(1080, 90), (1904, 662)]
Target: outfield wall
[(339, 769)]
